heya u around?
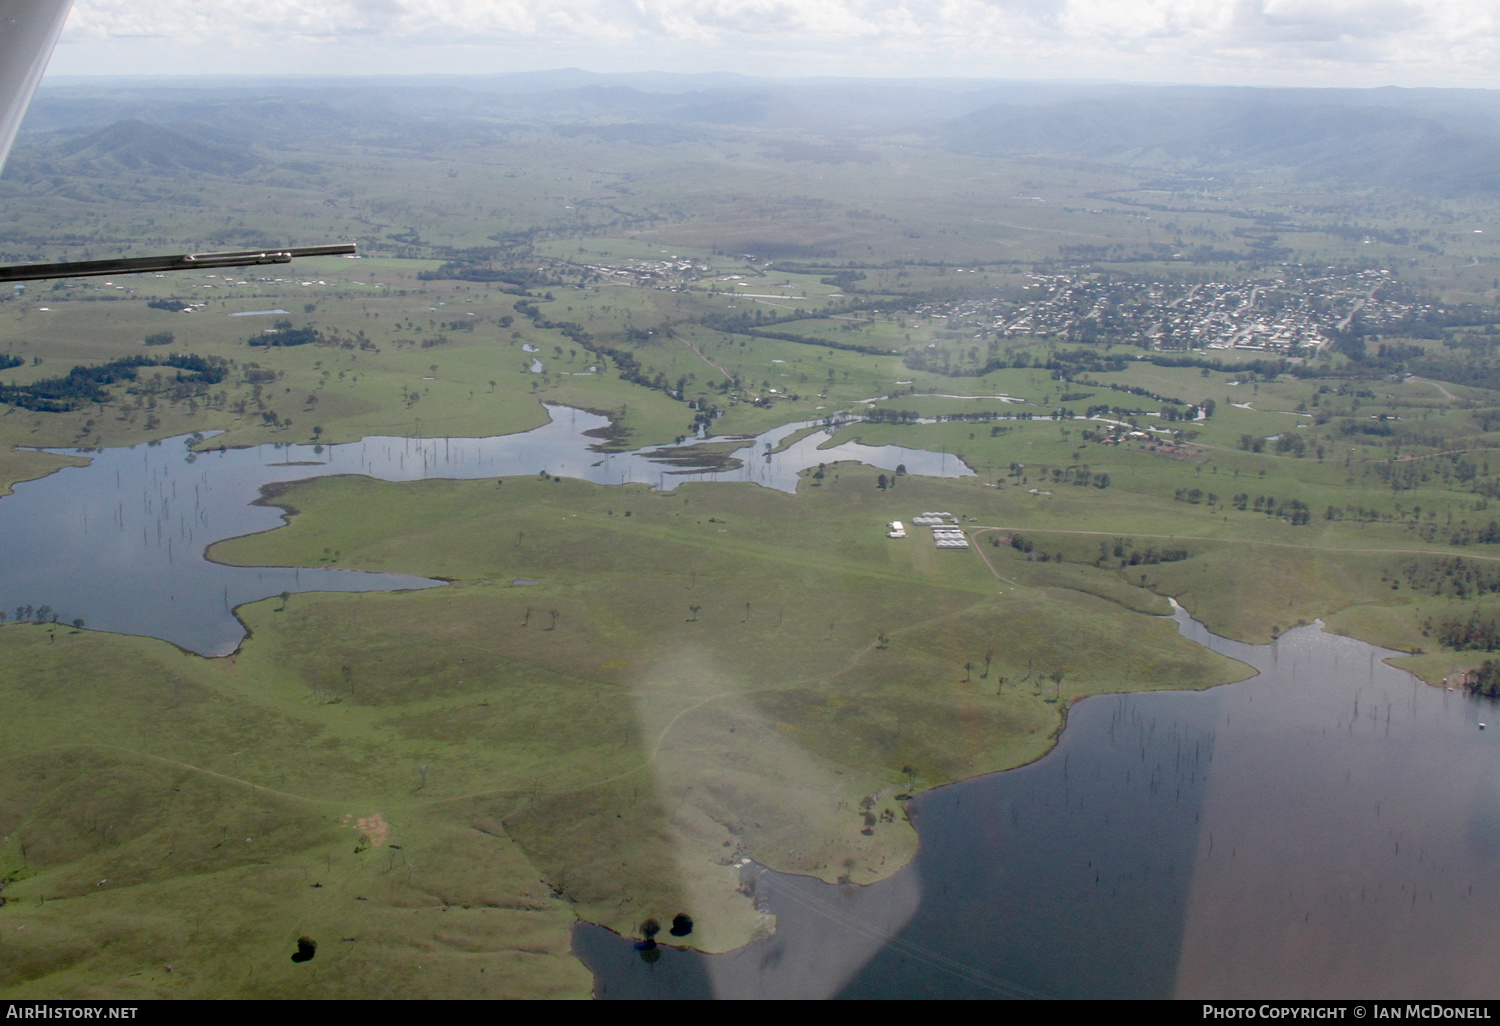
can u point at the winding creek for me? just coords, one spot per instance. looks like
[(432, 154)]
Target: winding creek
[(1328, 828), (120, 543)]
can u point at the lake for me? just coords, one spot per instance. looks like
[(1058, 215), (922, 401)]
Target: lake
[(120, 543), (1328, 828)]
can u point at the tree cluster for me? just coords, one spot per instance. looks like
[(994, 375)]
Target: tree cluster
[(1456, 576), (283, 334), (1486, 679), (83, 385), (1474, 633)]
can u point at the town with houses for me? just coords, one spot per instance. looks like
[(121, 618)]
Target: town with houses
[(1291, 315), (1287, 315)]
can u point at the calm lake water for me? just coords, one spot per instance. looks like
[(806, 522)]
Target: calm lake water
[(120, 542), (1328, 828)]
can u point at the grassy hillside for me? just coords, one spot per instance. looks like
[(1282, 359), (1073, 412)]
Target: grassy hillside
[(435, 786)]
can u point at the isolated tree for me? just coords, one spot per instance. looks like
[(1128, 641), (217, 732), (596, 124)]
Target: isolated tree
[(694, 611)]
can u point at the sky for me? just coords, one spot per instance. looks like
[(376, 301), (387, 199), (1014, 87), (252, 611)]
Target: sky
[(1453, 43)]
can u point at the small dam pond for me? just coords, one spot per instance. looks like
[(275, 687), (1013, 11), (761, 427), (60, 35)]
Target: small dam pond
[(120, 543), (1328, 828)]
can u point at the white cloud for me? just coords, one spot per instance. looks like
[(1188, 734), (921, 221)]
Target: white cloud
[(1440, 42)]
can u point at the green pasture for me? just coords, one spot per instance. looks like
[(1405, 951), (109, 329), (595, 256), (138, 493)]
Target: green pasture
[(435, 786), (698, 676)]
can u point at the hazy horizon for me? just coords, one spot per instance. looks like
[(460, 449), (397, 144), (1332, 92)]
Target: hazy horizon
[(1344, 43)]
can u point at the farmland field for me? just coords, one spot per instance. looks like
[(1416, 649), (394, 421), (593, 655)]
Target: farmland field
[(622, 692)]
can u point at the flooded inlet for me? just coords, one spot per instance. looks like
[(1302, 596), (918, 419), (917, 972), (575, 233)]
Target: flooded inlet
[(120, 543), (1329, 828)]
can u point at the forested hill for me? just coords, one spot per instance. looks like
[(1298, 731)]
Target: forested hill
[(1380, 137), (1377, 137)]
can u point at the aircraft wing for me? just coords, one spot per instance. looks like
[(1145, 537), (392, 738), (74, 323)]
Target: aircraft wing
[(28, 31)]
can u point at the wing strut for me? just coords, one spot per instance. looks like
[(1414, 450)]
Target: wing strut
[(181, 262)]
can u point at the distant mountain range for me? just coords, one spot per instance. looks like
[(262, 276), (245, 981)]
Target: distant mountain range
[(1332, 136), (1436, 141)]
